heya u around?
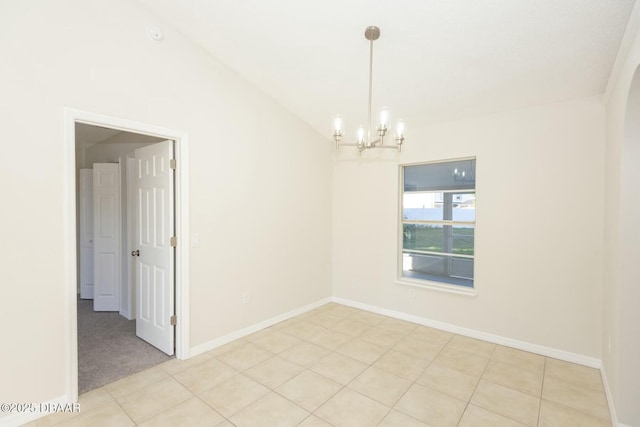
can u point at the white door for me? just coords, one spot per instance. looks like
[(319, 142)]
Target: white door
[(153, 249), (85, 182), (106, 236), (130, 262)]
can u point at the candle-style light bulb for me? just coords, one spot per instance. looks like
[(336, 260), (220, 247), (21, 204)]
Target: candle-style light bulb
[(384, 118), (360, 135), (337, 124), (400, 129)]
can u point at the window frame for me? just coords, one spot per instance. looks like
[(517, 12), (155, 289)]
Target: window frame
[(426, 283)]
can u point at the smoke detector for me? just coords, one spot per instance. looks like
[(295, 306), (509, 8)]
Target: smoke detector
[(154, 33)]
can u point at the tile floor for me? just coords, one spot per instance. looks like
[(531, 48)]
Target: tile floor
[(339, 366)]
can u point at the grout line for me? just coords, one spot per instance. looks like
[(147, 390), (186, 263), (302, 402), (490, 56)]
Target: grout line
[(415, 382), (544, 374), (476, 387), (343, 386), (121, 408)]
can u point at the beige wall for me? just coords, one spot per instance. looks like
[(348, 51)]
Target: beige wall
[(260, 178), (274, 212), (538, 266), (621, 332)]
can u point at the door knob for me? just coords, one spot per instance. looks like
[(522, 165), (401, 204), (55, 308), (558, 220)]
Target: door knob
[(135, 253)]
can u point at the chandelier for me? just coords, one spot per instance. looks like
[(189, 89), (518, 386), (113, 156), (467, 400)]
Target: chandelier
[(364, 138)]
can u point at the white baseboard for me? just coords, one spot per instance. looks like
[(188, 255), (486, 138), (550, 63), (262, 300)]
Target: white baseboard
[(14, 420), (496, 339), (612, 407), (18, 419), (126, 314), (607, 392), (210, 345)]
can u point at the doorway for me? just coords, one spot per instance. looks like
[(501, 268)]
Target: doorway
[(119, 335), (624, 333), (74, 118)]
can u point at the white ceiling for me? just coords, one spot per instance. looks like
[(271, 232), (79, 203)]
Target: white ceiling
[(435, 60), (88, 135)]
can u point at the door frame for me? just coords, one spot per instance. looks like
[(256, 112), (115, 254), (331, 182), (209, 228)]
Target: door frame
[(181, 139)]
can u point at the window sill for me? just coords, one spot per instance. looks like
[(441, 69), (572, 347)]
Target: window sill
[(437, 286)]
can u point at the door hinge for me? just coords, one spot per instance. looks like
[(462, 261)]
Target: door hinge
[(174, 320), (173, 242), (172, 164)]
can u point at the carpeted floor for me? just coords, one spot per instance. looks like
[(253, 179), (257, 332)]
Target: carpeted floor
[(108, 348)]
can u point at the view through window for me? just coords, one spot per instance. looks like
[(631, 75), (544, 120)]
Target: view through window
[(438, 222)]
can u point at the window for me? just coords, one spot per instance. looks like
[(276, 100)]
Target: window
[(438, 222)]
